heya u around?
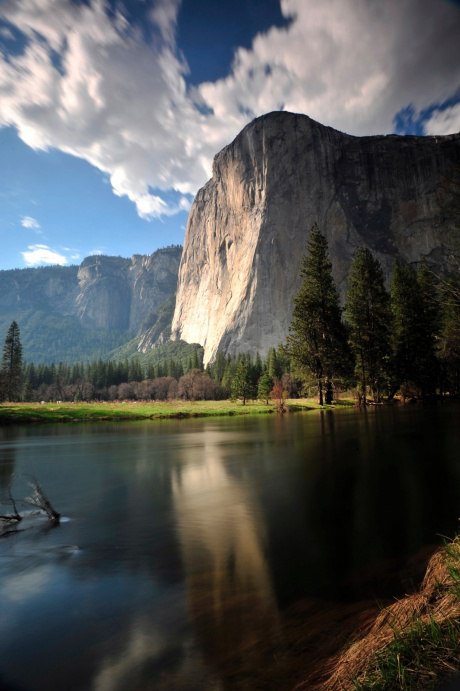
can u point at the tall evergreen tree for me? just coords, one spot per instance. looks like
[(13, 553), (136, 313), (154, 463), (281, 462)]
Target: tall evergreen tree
[(242, 384), (273, 364), (429, 324), (404, 304), (449, 337), (415, 326), (368, 316), (264, 386), (317, 337), (11, 368)]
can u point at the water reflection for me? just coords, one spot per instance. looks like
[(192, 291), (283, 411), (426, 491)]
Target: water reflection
[(197, 540), (7, 459), (360, 493), (223, 541)]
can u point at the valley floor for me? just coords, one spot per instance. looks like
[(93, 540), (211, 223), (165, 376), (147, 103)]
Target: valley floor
[(138, 410)]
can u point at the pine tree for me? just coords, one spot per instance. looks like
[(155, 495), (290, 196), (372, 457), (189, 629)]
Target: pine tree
[(273, 364), (414, 305), (317, 337), (448, 346), (11, 368), (368, 316), (242, 385), (264, 387), (428, 328)]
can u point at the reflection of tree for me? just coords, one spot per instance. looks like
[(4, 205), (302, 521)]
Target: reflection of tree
[(7, 460), (222, 539), (368, 491)]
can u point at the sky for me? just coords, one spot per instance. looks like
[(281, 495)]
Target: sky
[(111, 111)]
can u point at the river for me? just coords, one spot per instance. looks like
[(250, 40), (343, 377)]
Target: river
[(201, 554)]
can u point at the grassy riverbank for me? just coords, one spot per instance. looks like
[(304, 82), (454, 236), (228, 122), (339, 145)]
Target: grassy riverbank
[(138, 410), (413, 644)]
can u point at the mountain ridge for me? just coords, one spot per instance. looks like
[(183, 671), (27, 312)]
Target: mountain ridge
[(85, 311)]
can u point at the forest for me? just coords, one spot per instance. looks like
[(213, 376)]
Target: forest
[(380, 344)]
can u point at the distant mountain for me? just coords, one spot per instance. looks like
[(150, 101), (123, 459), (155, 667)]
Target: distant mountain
[(83, 312), (248, 226)]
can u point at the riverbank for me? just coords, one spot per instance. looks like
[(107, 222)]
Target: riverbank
[(140, 410), (412, 644)]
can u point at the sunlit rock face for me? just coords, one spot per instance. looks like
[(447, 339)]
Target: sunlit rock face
[(248, 226)]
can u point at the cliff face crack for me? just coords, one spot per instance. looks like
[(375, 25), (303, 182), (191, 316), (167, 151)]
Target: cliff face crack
[(398, 196)]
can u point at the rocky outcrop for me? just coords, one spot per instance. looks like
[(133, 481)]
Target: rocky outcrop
[(104, 298), (70, 313), (126, 294), (248, 226)]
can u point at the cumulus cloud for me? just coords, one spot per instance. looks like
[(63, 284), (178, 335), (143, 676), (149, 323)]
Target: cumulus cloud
[(38, 255), (445, 121), (111, 98), (93, 86), (351, 64), (30, 222)]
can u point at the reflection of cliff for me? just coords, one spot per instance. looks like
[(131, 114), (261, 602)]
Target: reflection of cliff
[(222, 540)]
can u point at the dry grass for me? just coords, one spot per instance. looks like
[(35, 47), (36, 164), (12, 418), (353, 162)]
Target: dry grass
[(412, 643)]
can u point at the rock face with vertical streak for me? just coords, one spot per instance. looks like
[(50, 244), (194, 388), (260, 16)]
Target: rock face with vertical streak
[(248, 226), (126, 294)]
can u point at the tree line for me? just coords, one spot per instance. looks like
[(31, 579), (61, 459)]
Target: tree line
[(404, 340), (383, 342)]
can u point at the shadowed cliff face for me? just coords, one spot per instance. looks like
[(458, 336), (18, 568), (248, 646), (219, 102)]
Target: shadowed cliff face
[(248, 227), (126, 294)]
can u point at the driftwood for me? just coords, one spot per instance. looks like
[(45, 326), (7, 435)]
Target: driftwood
[(11, 517), (38, 499)]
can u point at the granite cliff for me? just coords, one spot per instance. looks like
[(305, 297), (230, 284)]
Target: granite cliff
[(248, 226), (81, 312)]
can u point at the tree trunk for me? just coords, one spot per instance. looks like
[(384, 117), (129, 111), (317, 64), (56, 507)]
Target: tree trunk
[(320, 391)]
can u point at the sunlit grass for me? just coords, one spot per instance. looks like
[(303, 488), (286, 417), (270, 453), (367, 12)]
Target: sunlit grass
[(145, 410)]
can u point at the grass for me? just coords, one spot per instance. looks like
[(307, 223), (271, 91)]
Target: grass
[(137, 410), (416, 659), (413, 644)]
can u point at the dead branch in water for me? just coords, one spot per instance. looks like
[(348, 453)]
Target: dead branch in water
[(9, 521), (39, 499), (11, 517)]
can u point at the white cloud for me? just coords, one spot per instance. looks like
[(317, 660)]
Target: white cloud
[(72, 253), (351, 64), (30, 222), (444, 121), (123, 105), (37, 255)]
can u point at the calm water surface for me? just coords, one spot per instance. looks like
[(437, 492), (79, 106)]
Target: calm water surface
[(188, 541)]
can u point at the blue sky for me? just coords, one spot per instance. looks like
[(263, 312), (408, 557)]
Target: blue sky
[(112, 110)]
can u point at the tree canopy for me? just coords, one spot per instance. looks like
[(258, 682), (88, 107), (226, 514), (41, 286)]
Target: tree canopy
[(317, 337), (368, 315), (11, 367)]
